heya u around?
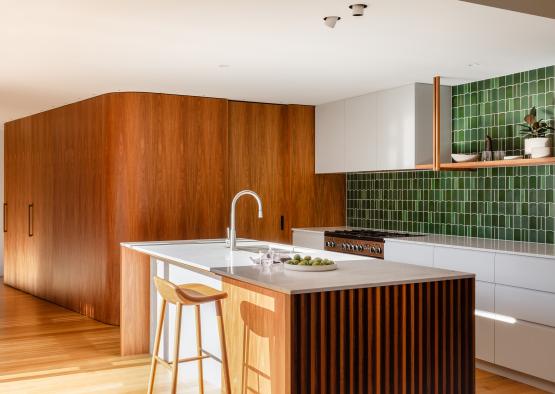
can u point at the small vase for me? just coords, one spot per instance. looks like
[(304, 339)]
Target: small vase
[(530, 143)]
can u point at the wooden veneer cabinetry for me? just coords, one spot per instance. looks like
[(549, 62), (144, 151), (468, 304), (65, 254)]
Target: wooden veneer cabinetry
[(144, 166)]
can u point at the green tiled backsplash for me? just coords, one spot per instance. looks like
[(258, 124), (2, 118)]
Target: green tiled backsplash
[(497, 106), (513, 203)]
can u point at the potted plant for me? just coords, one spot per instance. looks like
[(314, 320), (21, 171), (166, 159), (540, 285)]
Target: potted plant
[(536, 133)]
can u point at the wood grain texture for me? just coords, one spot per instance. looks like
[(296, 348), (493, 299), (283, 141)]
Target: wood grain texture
[(144, 166), (316, 199), (87, 355), (259, 160), (395, 339), (257, 327), (135, 302)]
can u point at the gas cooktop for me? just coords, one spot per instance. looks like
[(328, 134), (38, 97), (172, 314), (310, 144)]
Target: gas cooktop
[(367, 235)]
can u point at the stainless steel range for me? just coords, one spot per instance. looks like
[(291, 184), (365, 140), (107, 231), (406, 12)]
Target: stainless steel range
[(361, 242)]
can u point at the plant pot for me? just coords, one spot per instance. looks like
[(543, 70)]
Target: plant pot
[(530, 143)]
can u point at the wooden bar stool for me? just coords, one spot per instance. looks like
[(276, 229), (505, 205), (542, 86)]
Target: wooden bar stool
[(190, 294)]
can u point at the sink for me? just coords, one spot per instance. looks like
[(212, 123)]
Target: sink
[(262, 248)]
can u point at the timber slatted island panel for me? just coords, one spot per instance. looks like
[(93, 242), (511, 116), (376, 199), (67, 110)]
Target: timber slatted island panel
[(369, 327)]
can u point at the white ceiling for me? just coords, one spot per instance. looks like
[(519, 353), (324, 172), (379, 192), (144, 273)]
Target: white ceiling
[(53, 52)]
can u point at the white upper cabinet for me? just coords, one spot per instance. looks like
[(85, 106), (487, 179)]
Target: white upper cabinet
[(361, 125), (330, 137), (386, 130)]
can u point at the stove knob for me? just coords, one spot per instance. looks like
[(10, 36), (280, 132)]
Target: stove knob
[(373, 249), (360, 248), (333, 244), (343, 246), (378, 249)]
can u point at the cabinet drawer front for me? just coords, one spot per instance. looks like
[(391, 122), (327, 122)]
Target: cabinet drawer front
[(485, 339), (473, 261), (531, 305), (526, 347), (485, 296), (409, 253), (534, 273), (307, 239)]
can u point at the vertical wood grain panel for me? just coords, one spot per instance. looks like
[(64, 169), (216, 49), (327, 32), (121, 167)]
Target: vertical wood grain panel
[(396, 339)]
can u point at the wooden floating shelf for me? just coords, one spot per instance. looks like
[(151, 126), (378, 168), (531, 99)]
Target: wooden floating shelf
[(490, 164)]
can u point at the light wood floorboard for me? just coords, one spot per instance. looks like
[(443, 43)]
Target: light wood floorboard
[(48, 349)]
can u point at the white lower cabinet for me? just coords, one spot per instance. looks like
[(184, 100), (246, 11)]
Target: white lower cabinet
[(526, 347), (522, 287), (475, 261), (308, 239), (485, 339), (408, 253), (530, 305)]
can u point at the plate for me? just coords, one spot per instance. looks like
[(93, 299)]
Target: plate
[(310, 268), (462, 158)]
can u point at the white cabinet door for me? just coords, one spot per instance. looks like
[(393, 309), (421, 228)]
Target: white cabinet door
[(308, 239), (526, 347), (485, 339), (409, 253), (465, 260), (330, 137), (534, 273), (396, 128), (530, 305), (485, 296), (361, 125)]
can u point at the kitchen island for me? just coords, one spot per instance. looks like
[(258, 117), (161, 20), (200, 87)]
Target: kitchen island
[(369, 326)]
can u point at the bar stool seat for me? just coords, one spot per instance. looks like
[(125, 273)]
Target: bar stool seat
[(193, 294)]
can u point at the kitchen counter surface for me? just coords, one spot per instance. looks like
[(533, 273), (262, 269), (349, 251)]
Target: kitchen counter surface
[(501, 246), (321, 229), (349, 275), (353, 271)]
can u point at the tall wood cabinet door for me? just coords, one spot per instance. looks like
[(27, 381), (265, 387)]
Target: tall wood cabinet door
[(18, 251), (259, 160), (316, 199)]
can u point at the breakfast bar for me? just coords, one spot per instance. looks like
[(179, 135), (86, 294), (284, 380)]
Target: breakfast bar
[(369, 326)]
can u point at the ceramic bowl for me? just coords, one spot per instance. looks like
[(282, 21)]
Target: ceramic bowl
[(462, 158)]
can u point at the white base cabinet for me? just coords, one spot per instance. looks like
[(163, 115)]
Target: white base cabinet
[(526, 347), (512, 285)]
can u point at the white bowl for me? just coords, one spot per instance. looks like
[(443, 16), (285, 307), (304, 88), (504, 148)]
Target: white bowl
[(462, 158), (310, 268)]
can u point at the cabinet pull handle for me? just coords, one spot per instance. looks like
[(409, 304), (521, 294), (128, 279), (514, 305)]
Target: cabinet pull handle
[(282, 222), (5, 217), (31, 220)]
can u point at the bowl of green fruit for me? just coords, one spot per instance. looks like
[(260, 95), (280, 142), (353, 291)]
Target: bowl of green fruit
[(309, 264)]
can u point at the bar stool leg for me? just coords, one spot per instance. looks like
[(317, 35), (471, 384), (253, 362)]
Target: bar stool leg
[(156, 348), (177, 334), (225, 368), (199, 350)]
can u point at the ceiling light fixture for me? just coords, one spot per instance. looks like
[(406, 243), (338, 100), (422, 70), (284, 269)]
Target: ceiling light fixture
[(330, 21), (358, 9)]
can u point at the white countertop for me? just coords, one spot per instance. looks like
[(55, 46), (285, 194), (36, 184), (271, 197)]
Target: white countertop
[(321, 229), (511, 247), (348, 275), (353, 271)]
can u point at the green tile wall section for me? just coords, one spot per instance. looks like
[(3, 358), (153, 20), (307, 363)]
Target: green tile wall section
[(497, 106), (513, 203)]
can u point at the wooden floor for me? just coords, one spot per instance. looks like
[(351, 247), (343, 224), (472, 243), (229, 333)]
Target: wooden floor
[(48, 349)]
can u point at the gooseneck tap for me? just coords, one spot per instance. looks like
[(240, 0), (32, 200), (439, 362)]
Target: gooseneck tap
[(231, 234)]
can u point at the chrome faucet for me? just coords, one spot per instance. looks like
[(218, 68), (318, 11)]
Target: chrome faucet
[(231, 241)]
